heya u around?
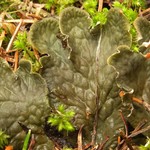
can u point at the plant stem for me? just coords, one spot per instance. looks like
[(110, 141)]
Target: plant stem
[(16, 60), (26, 141), (100, 5), (80, 138), (18, 20), (125, 123)]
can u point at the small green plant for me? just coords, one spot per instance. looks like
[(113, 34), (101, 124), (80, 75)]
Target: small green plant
[(21, 43), (3, 139), (146, 146), (90, 6), (98, 17), (130, 13), (62, 119), (130, 9)]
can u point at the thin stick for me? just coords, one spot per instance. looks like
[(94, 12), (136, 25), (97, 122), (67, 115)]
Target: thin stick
[(36, 54), (137, 100), (18, 20), (142, 102), (139, 126), (80, 138), (139, 132), (119, 139), (145, 11), (16, 60), (125, 123), (101, 146), (87, 146), (10, 51), (100, 5), (32, 142), (127, 141), (146, 105), (14, 35)]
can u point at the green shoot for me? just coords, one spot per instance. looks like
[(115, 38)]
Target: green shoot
[(27, 140), (3, 139), (62, 119), (21, 43)]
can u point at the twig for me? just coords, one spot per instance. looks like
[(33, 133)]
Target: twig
[(137, 100), (139, 132), (36, 54), (125, 123), (18, 21), (146, 105), (80, 138), (52, 11), (87, 146), (100, 5), (142, 102), (16, 60), (127, 141), (14, 35), (119, 139), (145, 11), (139, 126), (32, 143), (10, 51), (101, 146)]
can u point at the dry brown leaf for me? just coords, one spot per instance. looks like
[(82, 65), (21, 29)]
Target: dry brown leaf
[(9, 27)]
